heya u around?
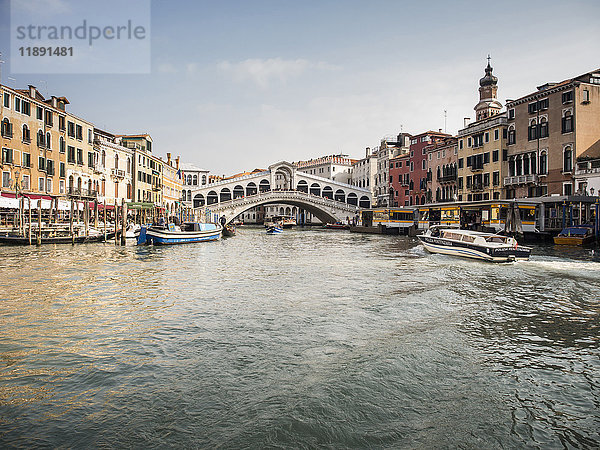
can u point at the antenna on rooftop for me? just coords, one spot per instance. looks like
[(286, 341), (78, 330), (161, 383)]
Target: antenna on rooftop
[(445, 120)]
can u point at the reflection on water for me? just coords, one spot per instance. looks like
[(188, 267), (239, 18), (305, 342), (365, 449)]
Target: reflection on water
[(311, 338)]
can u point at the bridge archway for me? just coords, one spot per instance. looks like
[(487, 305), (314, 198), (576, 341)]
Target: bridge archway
[(340, 196), (199, 200), (352, 199), (251, 188), (212, 198), (225, 195), (364, 202), (264, 186), (238, 191), (302, 186), (327, 192), (315, 189)]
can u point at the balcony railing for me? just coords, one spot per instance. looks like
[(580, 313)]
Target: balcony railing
[(447, 178), (81, 192), (118, 173), (520, 179)]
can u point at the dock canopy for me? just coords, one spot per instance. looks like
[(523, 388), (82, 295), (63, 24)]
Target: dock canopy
[(140, 205)]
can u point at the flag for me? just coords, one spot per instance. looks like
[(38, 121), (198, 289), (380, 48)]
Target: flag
[(179, 174)]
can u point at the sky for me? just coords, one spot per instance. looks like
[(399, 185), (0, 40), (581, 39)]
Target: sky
[(238, 85)]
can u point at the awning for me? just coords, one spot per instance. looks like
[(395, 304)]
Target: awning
[(140, 205)]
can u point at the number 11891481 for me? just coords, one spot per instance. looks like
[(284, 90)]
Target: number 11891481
[(46, 51)]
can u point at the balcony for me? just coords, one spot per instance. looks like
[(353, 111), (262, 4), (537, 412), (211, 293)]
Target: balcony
[(477, 167), (520, 179), (81, 192), (447, 178), (476, 187), (157, 187), (117, 173)]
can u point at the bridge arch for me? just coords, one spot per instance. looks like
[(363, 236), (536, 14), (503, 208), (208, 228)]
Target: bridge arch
[(302, 186), (352, 199), (327, 192), (212, 198), (315, 189), (199, 200), (264, 185), (340, 196), (364, 202), (251, 188), (238, 191), (225, 195)]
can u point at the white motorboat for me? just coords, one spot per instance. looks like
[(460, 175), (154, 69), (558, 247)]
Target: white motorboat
[(473, 244)]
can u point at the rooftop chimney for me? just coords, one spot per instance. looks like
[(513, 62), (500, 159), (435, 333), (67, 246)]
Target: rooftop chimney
[(466, 121), (32, 91), (168, 158), (439, 130), (177, 162)]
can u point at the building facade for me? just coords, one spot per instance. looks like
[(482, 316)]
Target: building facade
[(192, 177), (334, 167), (442, 170), (113, 167), (364, 173), (172, 185), (147, 169), (547, 131)]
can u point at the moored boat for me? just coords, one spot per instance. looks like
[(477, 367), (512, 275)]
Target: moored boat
[(62, 239), (473, 244), (188, 232), (336, 226), (576, 235), (229, 230)]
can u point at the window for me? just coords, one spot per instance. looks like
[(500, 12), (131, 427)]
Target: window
[(543, 128), (495, 155), (532, 133), (6, 179), (41, 163), (511, 114), (532, 159), (80, 157), (496, 178), (424, 165), (71, 129), (496, 134), (49, 118), (567, 122), (26, 134), (71, 154), (7, 156), (195, 178), (6, 100), (505, 155), (486, 179), (567, 97), (461, 163), (412, 167), (486, 157), (41, 139), (460, 183), (61, 145), (90, 136), (585, 96), (543, 163), (532, 108), (79, 132), (567, 189), (468, 142), (61, 170), (41, 184), (48, 141), (543, 104), (26, 160), (487, 136), (7, 128), (39, 113), (90, 159), (49, 167), (25, 183), (116, 161), (567, 159), (61, 187), (460, 144), (17, 104), (61, 123)]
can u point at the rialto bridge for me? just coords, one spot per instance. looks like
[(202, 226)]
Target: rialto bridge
[(282, 183)]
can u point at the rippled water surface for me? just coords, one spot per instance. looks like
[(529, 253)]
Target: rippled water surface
[(312, 338)]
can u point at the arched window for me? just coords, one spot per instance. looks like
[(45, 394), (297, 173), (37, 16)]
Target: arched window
[(128, 165), (103, 158), (195, 180), (7, 130), (567, 159), (26, 134), (61, 144), (203, 179), (532, 133), (48, 141), (41, 139), (116, 161), (543, 128), (567, 121), (543, 163), (189, 180), (532, 163), (512, 135)]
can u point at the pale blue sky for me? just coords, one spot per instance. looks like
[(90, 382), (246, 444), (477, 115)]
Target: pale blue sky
[(241, 84)]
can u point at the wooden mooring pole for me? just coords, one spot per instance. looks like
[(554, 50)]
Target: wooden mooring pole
[(29, 224), (116, 221), (123, 221), (39, 233)]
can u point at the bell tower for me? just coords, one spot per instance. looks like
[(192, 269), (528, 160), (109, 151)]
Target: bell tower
[(488, 88)]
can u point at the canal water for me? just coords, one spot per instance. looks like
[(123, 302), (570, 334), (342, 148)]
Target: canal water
[(311, 338)]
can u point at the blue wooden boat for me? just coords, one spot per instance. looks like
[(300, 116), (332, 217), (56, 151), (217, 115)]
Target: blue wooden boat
[(274, 229), (187, 233)]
